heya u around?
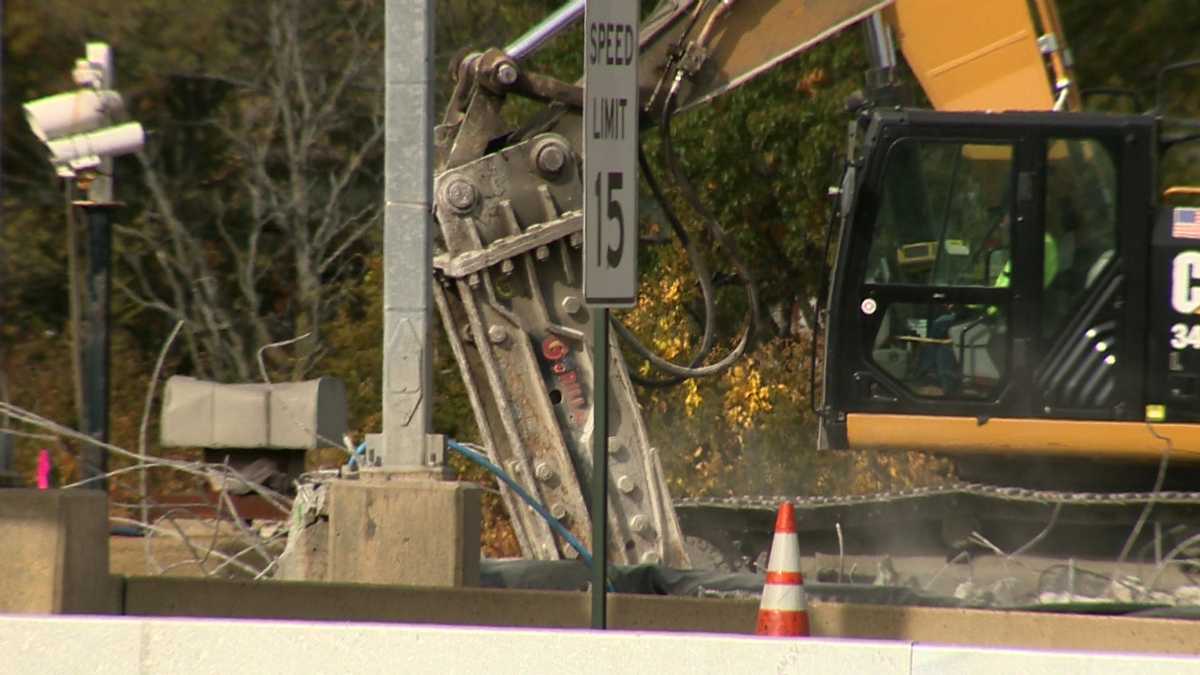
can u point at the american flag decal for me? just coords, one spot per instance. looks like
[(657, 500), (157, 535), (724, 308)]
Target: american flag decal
[(1185, 224)]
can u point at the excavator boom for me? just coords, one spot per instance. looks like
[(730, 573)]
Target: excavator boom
[(966, 56)]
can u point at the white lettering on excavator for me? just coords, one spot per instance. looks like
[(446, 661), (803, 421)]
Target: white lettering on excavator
[(1185, 283), (1185, 337)]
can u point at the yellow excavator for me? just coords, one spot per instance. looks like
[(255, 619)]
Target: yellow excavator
[(1011, 282)]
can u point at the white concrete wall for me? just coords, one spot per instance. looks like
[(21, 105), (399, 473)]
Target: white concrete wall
[(50, 645)]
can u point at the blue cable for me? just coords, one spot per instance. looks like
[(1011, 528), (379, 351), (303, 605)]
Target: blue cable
[(533, 503), (360, 450)]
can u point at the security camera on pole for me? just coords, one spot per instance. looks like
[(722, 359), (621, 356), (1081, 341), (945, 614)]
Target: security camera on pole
[(82, 134)]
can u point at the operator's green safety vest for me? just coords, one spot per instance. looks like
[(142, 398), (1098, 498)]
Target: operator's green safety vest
[(1049, 271), (1049, 266)]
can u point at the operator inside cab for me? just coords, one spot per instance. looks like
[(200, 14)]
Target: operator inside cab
[(938, 363)]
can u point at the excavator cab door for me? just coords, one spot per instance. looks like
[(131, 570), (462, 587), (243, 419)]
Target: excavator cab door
[(979, 271)]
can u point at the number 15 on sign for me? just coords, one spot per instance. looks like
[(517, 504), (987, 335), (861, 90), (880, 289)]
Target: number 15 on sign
[(610, 137), (608, 252)]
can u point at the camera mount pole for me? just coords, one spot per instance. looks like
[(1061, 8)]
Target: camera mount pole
[(95, 334), (97, 209), (7, 475)]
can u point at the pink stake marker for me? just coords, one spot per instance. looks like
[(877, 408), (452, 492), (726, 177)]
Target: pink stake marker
[(43, 470)]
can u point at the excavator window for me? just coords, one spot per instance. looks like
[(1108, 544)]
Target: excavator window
[(944, 217), (944, 221), (1081, 225)]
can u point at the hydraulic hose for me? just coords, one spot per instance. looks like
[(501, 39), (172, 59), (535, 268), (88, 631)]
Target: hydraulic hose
[(703, 276), (671, 160), (718, 233), (483, 461)]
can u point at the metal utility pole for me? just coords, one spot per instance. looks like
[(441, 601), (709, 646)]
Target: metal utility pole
[(407, 223), (98, 209), (6, 447), (97, 291), (600, 356), (77, 129)]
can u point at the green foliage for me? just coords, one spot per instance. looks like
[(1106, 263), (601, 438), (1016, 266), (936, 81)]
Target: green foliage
[(1125, 44)]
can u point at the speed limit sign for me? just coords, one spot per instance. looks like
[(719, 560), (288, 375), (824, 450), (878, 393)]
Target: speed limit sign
[(610, 178)]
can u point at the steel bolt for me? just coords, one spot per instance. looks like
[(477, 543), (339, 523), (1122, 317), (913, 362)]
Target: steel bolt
[(576, 240), (625, 484), (506, 267), (551, 158), (544, 472), (506, 74), (571, 304), (558, 511), (641, 524), (542, 252), (497, 334), (460, 194)]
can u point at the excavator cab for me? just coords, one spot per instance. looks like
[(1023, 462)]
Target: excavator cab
[(1000, 289)]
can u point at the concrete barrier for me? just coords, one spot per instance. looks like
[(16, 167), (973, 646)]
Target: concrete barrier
[(50, 645), (997, 628), (167, 596), (164, 596), (54, 553), (54, 559)]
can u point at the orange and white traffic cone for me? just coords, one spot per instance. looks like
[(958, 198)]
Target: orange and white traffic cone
[(783, 610)]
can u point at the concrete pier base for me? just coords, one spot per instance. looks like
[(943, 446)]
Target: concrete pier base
[(410, 531)]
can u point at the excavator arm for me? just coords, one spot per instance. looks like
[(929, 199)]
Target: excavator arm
[(965, 56), (508, 204)]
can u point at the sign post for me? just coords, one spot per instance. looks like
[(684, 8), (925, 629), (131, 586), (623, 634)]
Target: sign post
[(610, 226)]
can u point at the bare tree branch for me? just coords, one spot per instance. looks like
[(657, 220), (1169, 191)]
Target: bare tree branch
[(256, 251)]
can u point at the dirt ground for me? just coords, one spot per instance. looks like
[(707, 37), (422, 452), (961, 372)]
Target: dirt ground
[(198, 556)]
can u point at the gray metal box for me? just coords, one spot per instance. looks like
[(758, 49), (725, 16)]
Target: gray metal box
[(291, 415)]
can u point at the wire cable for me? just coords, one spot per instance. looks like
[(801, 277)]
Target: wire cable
[(1159, 480), (359, 451)]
